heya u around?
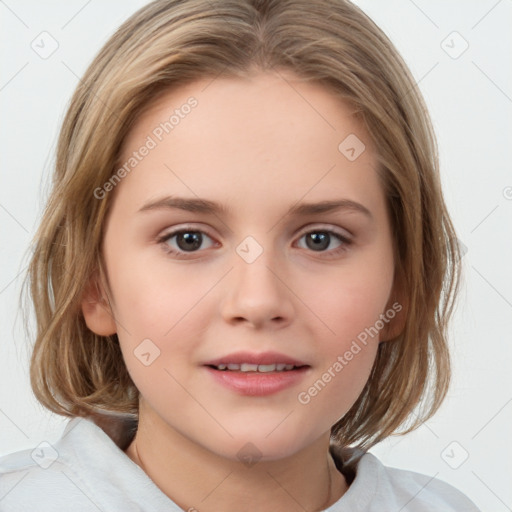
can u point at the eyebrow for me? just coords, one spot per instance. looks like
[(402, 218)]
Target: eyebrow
[(206, 206)]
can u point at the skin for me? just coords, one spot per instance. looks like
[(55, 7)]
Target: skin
[(258, 146)]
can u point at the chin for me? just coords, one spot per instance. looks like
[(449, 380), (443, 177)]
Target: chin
[(256, 444)]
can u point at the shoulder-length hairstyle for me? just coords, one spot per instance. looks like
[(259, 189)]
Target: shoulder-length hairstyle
[(168, 43)]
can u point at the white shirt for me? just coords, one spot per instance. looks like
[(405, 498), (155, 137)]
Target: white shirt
[(86, 471)]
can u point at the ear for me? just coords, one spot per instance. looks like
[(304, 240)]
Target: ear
[(96, 308), (396, 311)]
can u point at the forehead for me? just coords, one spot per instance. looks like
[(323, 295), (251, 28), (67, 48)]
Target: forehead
[(247, 102), (264, 135)]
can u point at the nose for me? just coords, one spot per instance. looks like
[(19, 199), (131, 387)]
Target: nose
[(257, 294)]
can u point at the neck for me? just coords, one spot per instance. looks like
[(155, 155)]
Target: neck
[(198, 480)]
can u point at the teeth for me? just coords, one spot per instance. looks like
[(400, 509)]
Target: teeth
[(266, 367), (263, 368), (246, 367)]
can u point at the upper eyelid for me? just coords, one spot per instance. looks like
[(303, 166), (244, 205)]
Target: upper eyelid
[(329, 228), (200, 227), (181, 228)]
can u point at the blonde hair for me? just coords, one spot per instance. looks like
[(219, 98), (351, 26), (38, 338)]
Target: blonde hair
[(75, 372)]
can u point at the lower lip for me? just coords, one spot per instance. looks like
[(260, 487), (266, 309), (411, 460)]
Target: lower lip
[(258, 383)]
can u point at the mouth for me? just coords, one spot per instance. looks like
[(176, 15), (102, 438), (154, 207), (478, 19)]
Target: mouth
[(253, 374), (264, 362), (258, 368)]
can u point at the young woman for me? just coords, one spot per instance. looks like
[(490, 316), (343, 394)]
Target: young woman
[(238, 277)]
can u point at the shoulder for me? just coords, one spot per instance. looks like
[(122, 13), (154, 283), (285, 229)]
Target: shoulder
[(410, 491), (37, 480), (377, 487), (85, 468)]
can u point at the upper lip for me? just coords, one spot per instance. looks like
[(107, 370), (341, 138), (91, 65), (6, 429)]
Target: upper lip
[(255, 358)]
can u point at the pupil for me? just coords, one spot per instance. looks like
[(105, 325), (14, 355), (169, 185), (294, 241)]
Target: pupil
[(319, 241), (189, 241)]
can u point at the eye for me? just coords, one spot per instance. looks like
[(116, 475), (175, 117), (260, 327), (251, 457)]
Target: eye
[(184, 241), (324, 240)]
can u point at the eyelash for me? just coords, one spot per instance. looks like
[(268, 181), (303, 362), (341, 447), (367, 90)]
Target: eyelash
[(164, 239)]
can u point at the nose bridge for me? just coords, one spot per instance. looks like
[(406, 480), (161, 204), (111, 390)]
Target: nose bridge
[(255, 292), (257, 275)]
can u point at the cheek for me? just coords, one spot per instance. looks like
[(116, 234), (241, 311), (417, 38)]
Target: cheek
[(351, 307), (353, 312), (338, 384), (347, 358), (152, 298), (347, 349), (162, 316)]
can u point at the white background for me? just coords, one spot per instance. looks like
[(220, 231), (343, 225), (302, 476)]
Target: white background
[(470, 100)]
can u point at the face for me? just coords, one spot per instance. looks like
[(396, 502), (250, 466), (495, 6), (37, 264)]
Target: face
[(250, 234)]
